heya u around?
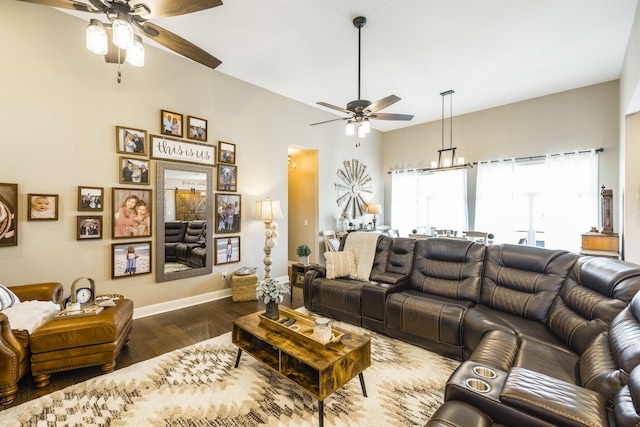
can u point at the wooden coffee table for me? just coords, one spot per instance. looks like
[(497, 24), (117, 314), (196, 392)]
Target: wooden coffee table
[(319, 369)]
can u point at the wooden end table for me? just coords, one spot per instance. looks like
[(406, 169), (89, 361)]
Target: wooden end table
[(317, 369), (297, 275)]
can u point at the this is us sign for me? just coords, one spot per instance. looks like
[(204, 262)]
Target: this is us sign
[(176, 150)]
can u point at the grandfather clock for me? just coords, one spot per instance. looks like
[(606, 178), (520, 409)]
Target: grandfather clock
[(607, 211)]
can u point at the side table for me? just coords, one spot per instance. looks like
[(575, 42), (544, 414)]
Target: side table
[(297, 275)]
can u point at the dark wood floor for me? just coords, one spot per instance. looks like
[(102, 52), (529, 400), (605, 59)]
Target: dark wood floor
[(155, 335)]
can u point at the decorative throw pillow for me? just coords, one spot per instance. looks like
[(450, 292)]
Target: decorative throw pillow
[(7, 298), (340, 264)]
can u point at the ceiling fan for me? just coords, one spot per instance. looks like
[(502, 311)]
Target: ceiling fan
[(137, 13), (360, 111)]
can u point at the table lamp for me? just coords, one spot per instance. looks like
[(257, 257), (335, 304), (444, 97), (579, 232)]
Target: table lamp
[(268, 210), (374, 209)]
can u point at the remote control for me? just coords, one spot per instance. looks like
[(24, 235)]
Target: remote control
[(284, 319), (290, 322)]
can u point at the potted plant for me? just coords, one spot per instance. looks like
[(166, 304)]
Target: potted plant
[(303, 252), (272, 292), (490, 237)]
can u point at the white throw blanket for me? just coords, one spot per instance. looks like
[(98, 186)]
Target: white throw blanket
[(363, 244), (30, 315)]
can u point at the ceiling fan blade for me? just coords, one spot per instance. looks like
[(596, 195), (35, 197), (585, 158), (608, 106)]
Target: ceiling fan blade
[(62, 4), (382, 103), (328, 121), (179, 45), (166, 8), (390, 116), (333, 107)]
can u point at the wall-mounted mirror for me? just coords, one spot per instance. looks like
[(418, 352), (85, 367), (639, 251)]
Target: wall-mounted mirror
[(183, 227)]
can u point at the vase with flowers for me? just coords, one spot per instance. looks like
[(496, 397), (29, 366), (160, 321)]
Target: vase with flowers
[(272, 292)]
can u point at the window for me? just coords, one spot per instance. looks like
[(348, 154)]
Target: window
[(549, 202), (423, 201)]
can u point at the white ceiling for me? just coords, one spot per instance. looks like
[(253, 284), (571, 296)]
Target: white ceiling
[(491, 52)]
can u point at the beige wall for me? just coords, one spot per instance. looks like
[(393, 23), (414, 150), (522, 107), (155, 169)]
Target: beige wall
[(59, 105), (568, 121)]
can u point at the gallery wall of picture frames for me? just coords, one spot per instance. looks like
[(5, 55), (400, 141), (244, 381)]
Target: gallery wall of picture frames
[(132, 207)]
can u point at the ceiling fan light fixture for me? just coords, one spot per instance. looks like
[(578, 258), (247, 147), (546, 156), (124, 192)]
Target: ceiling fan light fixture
[(122, 31), (366, 125), (351, 128), (135, 54), (97, 40)]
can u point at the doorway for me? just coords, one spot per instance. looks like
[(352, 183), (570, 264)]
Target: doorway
[(303, 202)]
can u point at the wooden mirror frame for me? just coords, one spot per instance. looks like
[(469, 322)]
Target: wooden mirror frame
[(161, 167)]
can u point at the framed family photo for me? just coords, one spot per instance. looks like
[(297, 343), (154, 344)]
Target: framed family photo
[(227, 250), (89, 227), (8, 214), (133, 171), (90, 198), (130, 259), (132, 212), (227, 152), (227, 177), (228, 208), (171, 123), (197, 128), (42, 207), (131, 141)]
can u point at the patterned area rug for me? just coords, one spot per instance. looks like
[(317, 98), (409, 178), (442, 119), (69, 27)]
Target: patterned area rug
[(198, 386)]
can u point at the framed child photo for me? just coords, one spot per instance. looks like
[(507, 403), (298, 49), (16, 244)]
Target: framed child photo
[(89, 227), (227, 250), (226, 152), (131, 141), (132, 212), (42, 207), (227, 177), (197, 128), (8, 214), (90, 198), (133, 171), (228, 209), (130, 259), (171, 123)]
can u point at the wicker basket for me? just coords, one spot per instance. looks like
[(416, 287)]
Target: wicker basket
[(243, 288)]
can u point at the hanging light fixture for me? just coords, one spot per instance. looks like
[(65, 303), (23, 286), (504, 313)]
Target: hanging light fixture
[(135, 54), (97, 41), (122, 31), (447, 159)]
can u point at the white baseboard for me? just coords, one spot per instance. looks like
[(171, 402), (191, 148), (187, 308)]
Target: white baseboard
[(163, 307)]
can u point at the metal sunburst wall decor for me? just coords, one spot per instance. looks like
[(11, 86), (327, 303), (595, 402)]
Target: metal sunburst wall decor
[(354, 188)]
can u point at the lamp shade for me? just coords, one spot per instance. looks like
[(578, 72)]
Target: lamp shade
[(268, 210), (374, 208), (97, 41)]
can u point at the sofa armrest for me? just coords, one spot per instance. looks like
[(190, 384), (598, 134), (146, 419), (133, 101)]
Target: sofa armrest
[(48, 291), (312, 273), (388, 277), (12, 352), (552, 400)]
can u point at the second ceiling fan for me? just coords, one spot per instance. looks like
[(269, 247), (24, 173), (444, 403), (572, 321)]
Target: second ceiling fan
[(360, 111)]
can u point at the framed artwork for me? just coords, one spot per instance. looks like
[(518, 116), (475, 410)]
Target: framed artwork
[(175, 150), (171, 123), (197, 128), (228, 208), (89, 227), (227, 177), (133, 171), (90, 198), (8, 214), (227, 250), (130, 259), (227, 152), (132, 212), (131, 141), (42, 207)]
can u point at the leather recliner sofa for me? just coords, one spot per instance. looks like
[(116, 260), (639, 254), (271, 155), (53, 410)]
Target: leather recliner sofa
[(185, 242), (511, 308)]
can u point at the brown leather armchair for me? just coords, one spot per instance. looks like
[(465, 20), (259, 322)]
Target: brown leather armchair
[(14, 345)]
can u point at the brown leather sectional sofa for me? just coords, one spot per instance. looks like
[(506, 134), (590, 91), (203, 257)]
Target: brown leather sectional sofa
[(546, 337)]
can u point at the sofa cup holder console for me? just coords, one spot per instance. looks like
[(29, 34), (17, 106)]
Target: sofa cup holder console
[(474, 379)]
